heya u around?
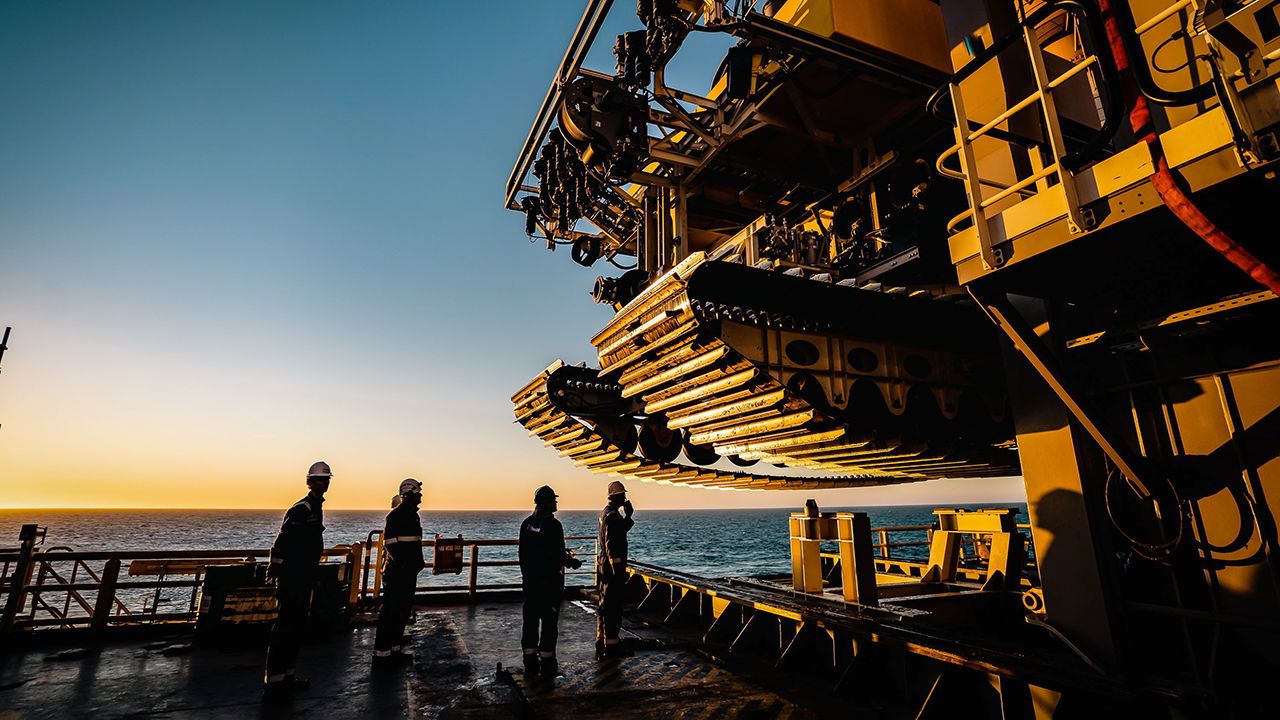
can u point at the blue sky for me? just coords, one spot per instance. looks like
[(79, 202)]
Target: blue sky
[(239, 236)]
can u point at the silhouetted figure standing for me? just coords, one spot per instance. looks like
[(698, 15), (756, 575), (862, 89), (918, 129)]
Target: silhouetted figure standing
[(402, 555), (611, 567), (295, 557), (543, 558)]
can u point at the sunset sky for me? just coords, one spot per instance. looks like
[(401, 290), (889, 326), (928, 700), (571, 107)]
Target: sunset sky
[(238, 237)]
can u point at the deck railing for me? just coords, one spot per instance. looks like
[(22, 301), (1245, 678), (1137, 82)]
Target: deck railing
[(370, 584), (969, 549), (62, 588), (59, 588)]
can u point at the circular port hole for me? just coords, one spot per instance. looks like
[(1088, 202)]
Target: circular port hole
[(863, 360), (918, 366), (802, 352)]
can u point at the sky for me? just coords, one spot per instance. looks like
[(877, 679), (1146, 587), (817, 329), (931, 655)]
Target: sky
[(240, 236)]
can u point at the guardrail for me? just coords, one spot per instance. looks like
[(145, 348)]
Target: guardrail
[(65, 589), (370, 552), (969, 549), (59, 588), (1053, 163), (974, 552)]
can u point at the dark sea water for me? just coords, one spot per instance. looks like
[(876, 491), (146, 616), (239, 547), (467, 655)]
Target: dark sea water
[(716, 543)]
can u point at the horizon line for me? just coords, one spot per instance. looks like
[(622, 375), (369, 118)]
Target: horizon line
[(517, 509)]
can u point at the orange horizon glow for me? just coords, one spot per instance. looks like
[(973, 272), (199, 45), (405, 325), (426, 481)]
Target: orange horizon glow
[(175, 431), (429, 509), (239, 239)]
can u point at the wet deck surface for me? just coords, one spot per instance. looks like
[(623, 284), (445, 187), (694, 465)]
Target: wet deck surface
[(454, 675), (143, 679)]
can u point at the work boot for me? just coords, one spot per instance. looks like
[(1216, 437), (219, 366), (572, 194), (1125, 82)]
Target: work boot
[(618, 650), (276, 693), (382, 663), (297, 684), (548, 665), (531, 663), (402, 657)]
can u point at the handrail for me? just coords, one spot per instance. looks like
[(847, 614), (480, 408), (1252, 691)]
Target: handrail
[(1026, 102), (28, 595), (150, 554), (954, 222), (111, 606), (1161, 16), (1014, 109), (370, 583), (1087, 18), (1023, 183), (1131, 38), (1063, 163), (883, 544)]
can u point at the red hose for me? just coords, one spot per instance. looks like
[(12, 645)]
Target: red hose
[(1164, 180)]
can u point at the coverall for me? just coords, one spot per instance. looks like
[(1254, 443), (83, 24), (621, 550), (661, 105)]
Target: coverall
[(402, 545), (543, 558), (611, 572), (295, 557)]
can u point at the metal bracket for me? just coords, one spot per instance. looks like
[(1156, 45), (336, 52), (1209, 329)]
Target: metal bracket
[(1024, 338)]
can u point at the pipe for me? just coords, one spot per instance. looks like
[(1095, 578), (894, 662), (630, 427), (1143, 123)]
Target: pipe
[(1142, 73), (1163, 178)]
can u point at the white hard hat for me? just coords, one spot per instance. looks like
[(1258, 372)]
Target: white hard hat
[(409, 485), (319, 469)]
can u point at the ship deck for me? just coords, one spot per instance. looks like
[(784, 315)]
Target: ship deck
[(454, 675)]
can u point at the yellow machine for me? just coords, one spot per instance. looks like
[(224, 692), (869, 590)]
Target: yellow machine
[(899, 240)]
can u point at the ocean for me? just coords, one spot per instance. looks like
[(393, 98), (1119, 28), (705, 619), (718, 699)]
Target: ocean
[(714, 543)]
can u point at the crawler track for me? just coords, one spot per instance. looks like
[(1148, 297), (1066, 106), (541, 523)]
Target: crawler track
[(580, 441), (803, 373)]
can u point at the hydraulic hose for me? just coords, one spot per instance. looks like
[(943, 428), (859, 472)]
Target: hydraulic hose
[(1165, 182)]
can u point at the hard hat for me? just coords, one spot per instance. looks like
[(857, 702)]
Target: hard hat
[(319, 469), (616, 488), (544, 495), (409, 485)]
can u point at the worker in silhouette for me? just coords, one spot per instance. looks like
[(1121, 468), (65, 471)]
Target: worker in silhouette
[(611, 568), (402, 561), (295, 559), (543, 558)]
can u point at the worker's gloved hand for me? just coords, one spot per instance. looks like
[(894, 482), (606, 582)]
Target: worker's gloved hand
[(573, 562), (627, 509)]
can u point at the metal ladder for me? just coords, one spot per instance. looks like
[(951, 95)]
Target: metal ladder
[(1061, 164)]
